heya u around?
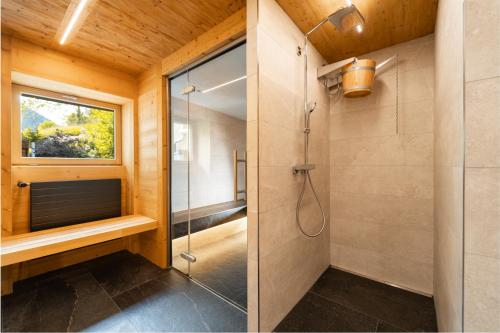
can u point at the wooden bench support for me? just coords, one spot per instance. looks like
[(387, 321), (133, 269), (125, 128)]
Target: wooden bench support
[(22, 247)]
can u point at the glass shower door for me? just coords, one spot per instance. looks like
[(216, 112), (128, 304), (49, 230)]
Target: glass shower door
[(208, 174), (217, 120)]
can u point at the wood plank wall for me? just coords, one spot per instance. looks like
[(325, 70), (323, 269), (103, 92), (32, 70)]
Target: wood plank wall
[(152, 195), (145, 145), (23, 57), (6, 194)]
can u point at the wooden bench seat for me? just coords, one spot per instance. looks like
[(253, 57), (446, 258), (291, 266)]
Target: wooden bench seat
[(38, 244)]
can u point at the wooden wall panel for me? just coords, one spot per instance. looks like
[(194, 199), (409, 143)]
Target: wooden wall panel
[(129, 151), (151, 195), (23, 57), (49, 64), (5, 159)]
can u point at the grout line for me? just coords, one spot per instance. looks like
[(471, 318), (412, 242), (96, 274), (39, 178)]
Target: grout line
[(494, 257), (482, 79), (138, 284), (343, 305), (481, 167), (210, 290), (358, 311), (357, 138), (463, 165), (105, 291)]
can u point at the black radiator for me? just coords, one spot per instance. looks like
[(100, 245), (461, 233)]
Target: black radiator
[(57, 204)]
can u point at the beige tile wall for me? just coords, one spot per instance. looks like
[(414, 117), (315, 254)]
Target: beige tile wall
[(252, 165), (289, 263), (448, 166), (381, 171), (482, 162)]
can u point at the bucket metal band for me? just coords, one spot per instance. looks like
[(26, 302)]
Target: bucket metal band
[(359, 68), (353, 88)]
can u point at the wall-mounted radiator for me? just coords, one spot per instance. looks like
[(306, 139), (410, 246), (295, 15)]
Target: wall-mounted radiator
[(57, 204)]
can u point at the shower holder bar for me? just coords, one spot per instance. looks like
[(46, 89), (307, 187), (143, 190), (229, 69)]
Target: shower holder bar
[(303, 168)]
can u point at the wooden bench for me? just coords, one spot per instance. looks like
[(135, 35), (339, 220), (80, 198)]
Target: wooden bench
[(22, 247)]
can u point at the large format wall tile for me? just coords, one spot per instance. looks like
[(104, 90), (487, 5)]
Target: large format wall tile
[(289, 262), (481, 296), (482, 39), (482, 161), (402, 181), (482, 104), (482, 211), (381, 172)]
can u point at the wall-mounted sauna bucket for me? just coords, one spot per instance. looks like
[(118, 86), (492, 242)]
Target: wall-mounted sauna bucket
[(358, 77)]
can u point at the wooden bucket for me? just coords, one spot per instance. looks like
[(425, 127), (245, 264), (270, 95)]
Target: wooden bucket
[(358, 77)]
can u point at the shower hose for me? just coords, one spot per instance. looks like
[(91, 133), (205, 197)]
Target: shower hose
[(307, 178)]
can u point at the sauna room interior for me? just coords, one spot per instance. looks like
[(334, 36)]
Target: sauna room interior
[(260, 165)]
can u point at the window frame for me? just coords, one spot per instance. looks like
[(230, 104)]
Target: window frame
[(18, 159)]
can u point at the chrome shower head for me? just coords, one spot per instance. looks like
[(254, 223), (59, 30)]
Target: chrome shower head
[(347, 18), (344, 19)]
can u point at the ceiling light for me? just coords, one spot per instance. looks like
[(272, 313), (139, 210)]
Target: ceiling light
[(72, 21), (223, 84), (359, 28)]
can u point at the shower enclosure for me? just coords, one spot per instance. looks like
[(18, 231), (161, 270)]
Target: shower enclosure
[(208, 173)]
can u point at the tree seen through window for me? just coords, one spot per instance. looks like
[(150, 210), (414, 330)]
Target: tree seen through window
[(52, 128)]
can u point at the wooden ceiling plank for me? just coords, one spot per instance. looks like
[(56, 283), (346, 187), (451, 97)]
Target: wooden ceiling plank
[(388, 22), (128, 35)]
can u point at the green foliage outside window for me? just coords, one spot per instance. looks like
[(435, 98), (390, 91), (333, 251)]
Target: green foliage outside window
[(58, 129)]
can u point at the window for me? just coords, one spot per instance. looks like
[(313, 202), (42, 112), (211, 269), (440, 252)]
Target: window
[(56, 128), (180, 142)]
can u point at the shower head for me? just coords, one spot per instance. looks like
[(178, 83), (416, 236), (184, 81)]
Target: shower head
[(347, 18), (344, 19)]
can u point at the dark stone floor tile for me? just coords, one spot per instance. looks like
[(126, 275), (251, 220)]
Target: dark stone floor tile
[(316, 314), (121, 271), (223, 268), (46, 278), (174, 303), (117, 322), (385, 327), (400, 308), (59, 303)]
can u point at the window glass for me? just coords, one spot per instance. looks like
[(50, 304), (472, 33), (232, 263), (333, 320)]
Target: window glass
[(180, 144), (59, 129)]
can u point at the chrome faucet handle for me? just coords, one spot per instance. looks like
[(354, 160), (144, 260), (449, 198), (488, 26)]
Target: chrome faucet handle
[(302, 168)]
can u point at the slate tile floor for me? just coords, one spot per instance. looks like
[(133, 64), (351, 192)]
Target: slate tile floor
[(121, 292), (343, 302), (222, 266)]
